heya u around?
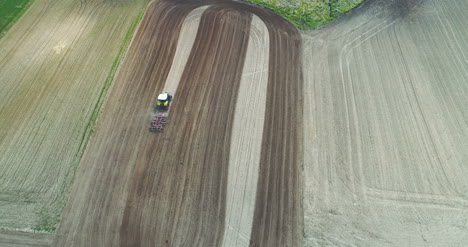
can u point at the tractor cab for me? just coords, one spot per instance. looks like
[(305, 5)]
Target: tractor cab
[(164, 101)]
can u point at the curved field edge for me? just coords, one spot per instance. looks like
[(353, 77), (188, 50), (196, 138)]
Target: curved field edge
[(308, 14), (10, 12), (50, 225)]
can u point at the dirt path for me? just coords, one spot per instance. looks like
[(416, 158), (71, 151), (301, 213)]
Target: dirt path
[(386, 128), (137, 188), (53, 65)]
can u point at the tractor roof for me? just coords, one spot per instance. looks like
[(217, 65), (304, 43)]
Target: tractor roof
[(162, 96)]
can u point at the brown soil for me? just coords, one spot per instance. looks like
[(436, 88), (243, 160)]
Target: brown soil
[(137, 188)]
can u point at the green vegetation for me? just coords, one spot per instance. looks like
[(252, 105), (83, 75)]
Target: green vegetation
[(10, 11), (306, 14), (47, 222)]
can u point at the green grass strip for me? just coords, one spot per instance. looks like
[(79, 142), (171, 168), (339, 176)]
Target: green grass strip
[(309, 14), (10, 12)]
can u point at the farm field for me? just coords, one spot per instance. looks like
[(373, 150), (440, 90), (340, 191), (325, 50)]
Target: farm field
[(55, 64), (229, 66), (351, 135), (386, 126)]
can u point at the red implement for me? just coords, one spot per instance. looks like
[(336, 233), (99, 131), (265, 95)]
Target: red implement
[(158, 122)]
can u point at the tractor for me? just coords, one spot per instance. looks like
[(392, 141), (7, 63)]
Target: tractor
[(159, 118), (164, 101)]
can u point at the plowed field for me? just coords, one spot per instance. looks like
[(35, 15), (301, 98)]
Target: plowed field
[(386, 126), (190, 185), (378, 128)]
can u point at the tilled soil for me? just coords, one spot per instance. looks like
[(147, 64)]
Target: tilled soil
[(137, 188), (246, 146), (386, 128)]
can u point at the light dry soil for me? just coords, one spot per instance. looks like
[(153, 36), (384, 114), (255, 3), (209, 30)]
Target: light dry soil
[(246, 142), (53, 66), (386, 126)]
